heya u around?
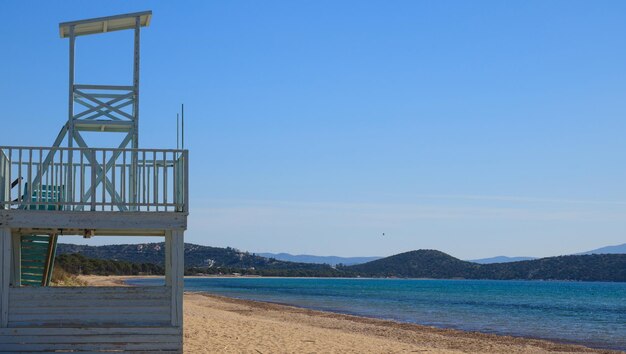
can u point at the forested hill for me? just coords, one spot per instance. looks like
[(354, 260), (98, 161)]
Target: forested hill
[(204, 258), (415, 264), (435, 264)]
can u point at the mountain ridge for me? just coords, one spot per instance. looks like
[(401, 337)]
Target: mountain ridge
[(615, 249), (500, 259), (439, 265), (195, 255), (413, 264), (308, 258), (335, 260)]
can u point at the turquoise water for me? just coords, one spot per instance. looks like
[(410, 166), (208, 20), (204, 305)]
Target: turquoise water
[(592, 314)]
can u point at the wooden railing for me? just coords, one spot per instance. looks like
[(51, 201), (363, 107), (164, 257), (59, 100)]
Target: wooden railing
[(93, 179)]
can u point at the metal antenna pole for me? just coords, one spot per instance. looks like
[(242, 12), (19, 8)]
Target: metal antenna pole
[(177, 130), (182, 115)]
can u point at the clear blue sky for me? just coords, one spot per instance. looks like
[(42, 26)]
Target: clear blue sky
[(477, 128)]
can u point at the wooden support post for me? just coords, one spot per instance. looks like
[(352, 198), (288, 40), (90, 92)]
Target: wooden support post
[(175, 271), (168, 258), (48, 267), (16, 243), (5, 274)]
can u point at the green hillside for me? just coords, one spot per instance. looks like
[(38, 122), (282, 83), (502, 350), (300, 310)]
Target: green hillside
[(438, 265), (78, 264), (201, 259), (593, 267), (416, 264), (138, 258)]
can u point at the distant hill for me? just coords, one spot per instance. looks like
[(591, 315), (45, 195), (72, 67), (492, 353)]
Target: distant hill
[(617, 249), (413, 264), (195, 256), (417, 264), (305, 258), (438, 265), (76, 263), (500, 259), (595, 267)]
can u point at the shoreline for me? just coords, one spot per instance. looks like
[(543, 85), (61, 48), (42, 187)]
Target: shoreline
[(549, 345), (418, 326), (228, 276), (264, 324)]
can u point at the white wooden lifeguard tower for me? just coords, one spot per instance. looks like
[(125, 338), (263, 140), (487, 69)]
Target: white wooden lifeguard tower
[(73, 189)]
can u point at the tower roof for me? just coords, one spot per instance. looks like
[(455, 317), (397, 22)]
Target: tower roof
[(105, 24)]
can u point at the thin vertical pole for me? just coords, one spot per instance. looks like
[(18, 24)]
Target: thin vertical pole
[(70, 113), (132, 183), (165, 180), (136, 85), (103, 176), (177, 130), (19, 178), (94, 168), (9, 197), (182, 125), (29, 173)]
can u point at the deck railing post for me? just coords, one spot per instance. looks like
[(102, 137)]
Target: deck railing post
[(186, 179), (94, 169), (5, 181)]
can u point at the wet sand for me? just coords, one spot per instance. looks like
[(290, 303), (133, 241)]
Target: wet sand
[(215, 324)]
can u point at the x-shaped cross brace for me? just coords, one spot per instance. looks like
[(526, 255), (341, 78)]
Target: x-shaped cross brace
[(102, 108), (101, 176)]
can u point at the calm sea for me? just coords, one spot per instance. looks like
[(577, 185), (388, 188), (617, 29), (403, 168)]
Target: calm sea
[(592, 314)]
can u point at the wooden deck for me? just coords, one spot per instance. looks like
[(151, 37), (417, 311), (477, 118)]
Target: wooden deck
[(90, 319)]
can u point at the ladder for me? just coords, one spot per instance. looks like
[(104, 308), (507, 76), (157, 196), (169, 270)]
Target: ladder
[(38, 252)]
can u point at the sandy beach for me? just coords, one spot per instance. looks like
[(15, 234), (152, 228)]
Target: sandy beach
[(215, 324)]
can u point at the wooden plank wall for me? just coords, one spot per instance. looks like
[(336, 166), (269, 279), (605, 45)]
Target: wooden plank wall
[(109, 339), (89, 306), (48, 319)]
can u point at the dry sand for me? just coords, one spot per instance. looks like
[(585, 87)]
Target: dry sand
[(214, 324)]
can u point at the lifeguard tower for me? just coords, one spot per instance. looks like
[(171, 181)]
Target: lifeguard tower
[(71, 188)]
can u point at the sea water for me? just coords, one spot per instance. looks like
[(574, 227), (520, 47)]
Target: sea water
[(589, 313)]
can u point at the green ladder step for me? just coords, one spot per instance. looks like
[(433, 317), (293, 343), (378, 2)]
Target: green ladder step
[(37, 261)]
